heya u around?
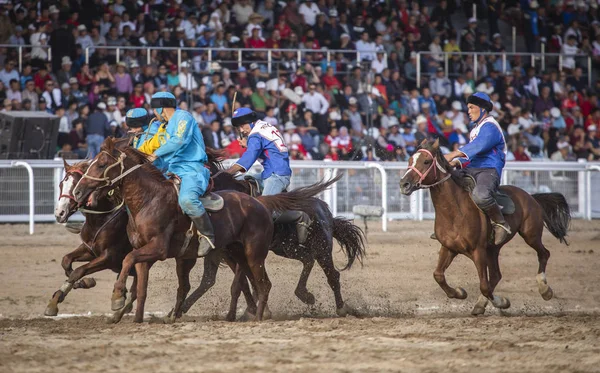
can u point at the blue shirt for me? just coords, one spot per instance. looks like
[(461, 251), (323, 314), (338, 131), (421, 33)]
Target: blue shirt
[(487, 147), (183, 149), (266, 143), (219, 100)]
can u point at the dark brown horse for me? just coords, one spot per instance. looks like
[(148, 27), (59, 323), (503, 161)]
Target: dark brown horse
[(157, 227), (462, 228), (319, 245), (104, 235)]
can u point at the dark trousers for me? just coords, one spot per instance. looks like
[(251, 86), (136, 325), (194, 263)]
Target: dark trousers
[(487, 184)]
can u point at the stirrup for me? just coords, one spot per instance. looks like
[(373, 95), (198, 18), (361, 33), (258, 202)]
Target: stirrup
[(503, 226), (210, 243)]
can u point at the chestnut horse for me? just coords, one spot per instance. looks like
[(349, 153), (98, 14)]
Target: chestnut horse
[(462, 228), (104, 235), (319, 245), (157, 227)]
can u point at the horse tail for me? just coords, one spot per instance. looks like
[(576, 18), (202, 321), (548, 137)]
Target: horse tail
[(557, 214), (215, 158), (351, 238), (297, 199)]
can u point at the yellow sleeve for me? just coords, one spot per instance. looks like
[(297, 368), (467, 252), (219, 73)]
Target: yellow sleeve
[(150, 146)]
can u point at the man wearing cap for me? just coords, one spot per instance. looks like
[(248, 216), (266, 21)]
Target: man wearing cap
[(483, 159), (183, 153), (65, 73), (143, 127), (267, 144), (440, 85), (84, 39)]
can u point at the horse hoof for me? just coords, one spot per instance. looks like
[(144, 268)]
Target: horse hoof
[(118, 304), (478, 310), (170, 319), (138, 320), (343, 311), (85, 283), (501, 302), (51, 311), (547, 294), (267, 315), (230, 317), (306, 297), (460, 293), (248, 315)]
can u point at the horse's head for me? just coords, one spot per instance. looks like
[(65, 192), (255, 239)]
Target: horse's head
[(426, 168), (67, 205), (104, 168)]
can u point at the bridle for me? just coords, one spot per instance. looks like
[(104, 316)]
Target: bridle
[(435, 165), (105, 178)]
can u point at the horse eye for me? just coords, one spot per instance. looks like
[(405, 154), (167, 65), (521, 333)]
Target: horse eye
[(427, 162), (101, 166)]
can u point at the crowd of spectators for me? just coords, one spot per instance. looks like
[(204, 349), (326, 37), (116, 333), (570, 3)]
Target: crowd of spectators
[(352, 94)]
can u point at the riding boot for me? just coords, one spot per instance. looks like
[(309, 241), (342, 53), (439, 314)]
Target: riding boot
[(206, 234), (501, 228), (302, 221)]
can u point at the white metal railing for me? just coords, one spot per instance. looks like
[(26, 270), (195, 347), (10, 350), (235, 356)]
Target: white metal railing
[(504, 55), (373, 183)]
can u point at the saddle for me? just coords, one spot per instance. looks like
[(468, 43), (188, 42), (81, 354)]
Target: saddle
[(506, 204), (212, 202), (256, 187)]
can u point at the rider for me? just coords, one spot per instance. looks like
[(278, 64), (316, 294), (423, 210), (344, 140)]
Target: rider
[(179, 144), (265, 142), (483, 159)]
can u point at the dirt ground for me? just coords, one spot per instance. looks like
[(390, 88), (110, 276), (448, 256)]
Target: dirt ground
[(407, 324)]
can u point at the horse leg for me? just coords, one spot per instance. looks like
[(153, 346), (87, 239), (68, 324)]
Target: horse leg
[(263, 285), (250, 299), (118, 315), (184, 267), (93, 266), (143, 270), (236, 289), (209, 276), (495, 277), (533, 237), (325, 261), (80, 254), (480, 260), (445, 258), (301, 291)]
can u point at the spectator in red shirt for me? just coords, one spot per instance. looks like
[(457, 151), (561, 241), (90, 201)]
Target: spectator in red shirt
[(520, 154), (283, 28), (593, 119), (275, 42), (40, 78), (137, 98), (300, 80), (255, 40), (331, 82)]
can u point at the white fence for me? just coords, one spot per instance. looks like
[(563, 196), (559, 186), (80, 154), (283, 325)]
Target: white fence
[(29, 189)]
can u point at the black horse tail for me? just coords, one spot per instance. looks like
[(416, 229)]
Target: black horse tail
[(215, 159), (351, 238), (557, 214), (298, 199)]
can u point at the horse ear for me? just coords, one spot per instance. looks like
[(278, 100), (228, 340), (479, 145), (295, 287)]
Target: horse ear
[(423, 143), (436, 144), (67, 167)]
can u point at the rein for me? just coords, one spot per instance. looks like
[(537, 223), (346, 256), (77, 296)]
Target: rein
[(105, 178), (435, 165)]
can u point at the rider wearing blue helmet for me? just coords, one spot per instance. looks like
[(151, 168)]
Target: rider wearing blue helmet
[(266, 143), (483, 158), (143, 126), (179, 144)]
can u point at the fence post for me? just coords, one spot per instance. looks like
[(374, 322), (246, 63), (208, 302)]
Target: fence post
[(269, 61), (420, 199), (560, 63), (446, 64), (20, 58), (514, 39), (588, 189), (178, 60), (475, 66), (299, 57), (418, 69), (87, 55), (57, 178), (383, 192), (239, 58), (543, 46), (582, 190), (148, 57), (118, 55), (327, 194), (589, 68), (503, 63), (31, 191)]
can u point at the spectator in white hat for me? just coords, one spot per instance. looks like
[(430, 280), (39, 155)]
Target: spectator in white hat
[(65, 73), (186, 79), (84, 39), (261, 98)]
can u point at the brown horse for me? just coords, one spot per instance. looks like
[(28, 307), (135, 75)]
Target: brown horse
[(157, 227), (104, 235), (319, 245), (462, 228)]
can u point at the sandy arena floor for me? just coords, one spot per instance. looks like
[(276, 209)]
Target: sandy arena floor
[(409, 325)]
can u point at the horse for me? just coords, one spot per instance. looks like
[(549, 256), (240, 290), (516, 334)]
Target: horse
[(104, 235), (157, 227), (319, 245), (462, 228)]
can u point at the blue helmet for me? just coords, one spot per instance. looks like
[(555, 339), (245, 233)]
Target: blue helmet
[(242, 116), (482, 100), (162, 100), (136, 118)]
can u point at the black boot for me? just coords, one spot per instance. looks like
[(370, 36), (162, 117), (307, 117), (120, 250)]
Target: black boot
[(206, 234), (501, 228), (302, 221)]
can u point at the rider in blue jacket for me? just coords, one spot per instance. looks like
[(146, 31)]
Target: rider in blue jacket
[(483, 159), (179, 144), (264, 142)]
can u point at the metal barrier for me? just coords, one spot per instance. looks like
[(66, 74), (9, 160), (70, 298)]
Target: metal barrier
[(371, 183), (533, 56)]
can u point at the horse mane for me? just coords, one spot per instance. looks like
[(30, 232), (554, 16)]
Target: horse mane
[(137, 156), (215, 158)]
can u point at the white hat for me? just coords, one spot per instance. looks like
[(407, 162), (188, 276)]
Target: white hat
[(352, 101), (335, 115), (299, 91), (81, 28), (185, 65), (101, 106), (468, 90), (53, 9), (375, 92), (227, 122), (555, 112), (260, 85), (344, 35), (562, 145), (393, 121), (253, 66), (456, 105), (66, 60), (290, 126), (472, 20), (592, 128), (113, 123), (111, 101), (421, 119), (134, 64), (65, 86), (425, 105)]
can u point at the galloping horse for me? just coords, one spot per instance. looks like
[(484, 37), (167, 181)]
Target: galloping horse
[(462, 228), (104, 235), (319, 246), (157, 227)]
